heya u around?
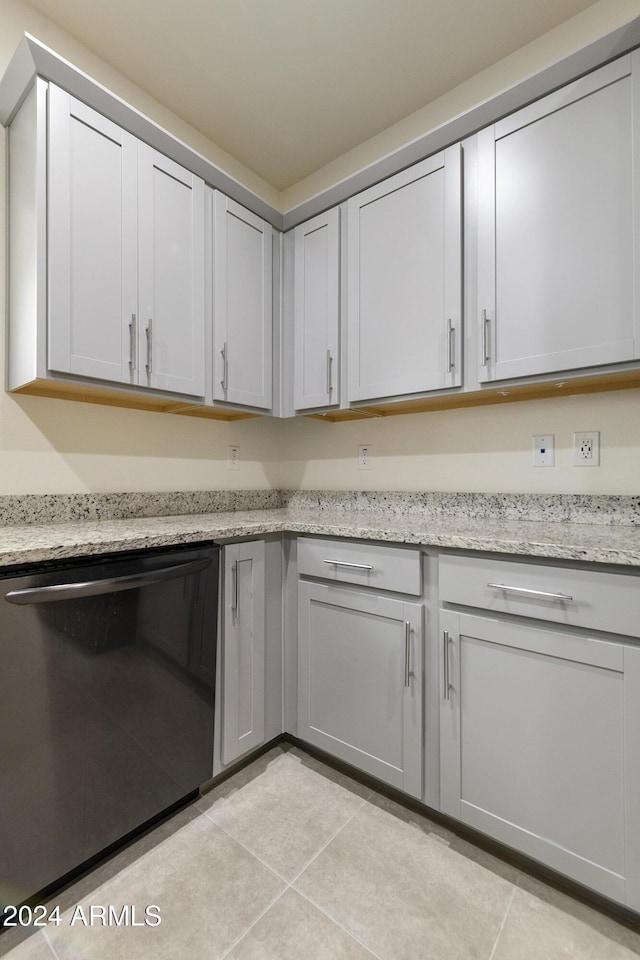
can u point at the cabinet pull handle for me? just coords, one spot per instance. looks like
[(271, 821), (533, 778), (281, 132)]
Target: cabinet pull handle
[(530, 593), (132, 343), (485, 338), (445, 659), (345, 563), (450, 336), (234, 588), (225, 366), (149, 333), (407, 653), (329, 372)]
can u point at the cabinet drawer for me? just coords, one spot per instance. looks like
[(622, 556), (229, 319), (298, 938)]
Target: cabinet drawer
[(575, 597), (370, 565)]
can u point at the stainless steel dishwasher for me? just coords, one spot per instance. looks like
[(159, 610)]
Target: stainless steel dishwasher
[(107, 671)]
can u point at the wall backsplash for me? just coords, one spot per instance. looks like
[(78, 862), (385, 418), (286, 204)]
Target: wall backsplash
[(55, 446), (480, 449)]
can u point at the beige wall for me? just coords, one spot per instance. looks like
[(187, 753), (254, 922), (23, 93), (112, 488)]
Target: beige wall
[(58, 446), (63, 447), (484, 449), (593, 23)]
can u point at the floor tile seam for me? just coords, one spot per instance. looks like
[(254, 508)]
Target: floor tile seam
[(329, 841), (257, 920), (273, 870), (251, 852), (49, 944), (6, 954), (143, 856), (337, 923), (504, 920)]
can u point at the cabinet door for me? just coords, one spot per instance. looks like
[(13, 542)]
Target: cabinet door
[(316, 311), (360, 681), (171, 261), (243, 649), (242, 306), (540, 745), (404, 281), (92, 242), (557, 230)]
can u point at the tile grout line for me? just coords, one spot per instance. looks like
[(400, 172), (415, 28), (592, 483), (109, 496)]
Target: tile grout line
[(337, 923), (289, 883), (248, 850), (273, 869), (504, 920), (253, 924), (50, 945), (331, 839), (317, 906)]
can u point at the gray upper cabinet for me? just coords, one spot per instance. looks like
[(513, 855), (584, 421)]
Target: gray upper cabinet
[(93, 275), (171, 271), (317, 311), (558, 230), (404, 282), (119, 233), (126, 256), (242, 305)]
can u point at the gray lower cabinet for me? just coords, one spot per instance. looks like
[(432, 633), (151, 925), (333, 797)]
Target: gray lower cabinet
[(540, 744), (242, 664), (360, 680)]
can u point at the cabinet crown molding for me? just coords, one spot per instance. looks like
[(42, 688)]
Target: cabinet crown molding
[(33, 59)]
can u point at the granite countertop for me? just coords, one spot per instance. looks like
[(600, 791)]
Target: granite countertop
[(447, 523)]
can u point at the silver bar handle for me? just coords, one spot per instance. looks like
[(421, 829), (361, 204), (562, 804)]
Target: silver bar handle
[(93, 588), (530, 593), (407, 653), (329, 372), (149, 333), (345, 563), (445, 657), (450, 336), (225, 366), (132, 344), (234, 587), (485, 338)]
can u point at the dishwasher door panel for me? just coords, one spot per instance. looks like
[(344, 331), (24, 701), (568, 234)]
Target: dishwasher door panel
[(106, 707)]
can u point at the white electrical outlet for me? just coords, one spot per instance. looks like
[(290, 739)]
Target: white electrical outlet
[(233, 461), (586, 449), (365, 457), (544, 450)]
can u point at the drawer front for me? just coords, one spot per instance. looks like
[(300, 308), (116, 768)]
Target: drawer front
[(369, 565), (580, 598)]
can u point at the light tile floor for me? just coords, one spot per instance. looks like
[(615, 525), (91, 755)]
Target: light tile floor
[(289, 859)]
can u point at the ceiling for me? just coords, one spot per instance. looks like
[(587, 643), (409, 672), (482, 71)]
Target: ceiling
[(285, 86)]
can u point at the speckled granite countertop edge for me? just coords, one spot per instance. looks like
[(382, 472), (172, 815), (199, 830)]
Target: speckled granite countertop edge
[(594, 543)]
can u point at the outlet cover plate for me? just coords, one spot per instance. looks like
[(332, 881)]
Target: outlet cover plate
[(365, 457), (233, 460), (586, 449)]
